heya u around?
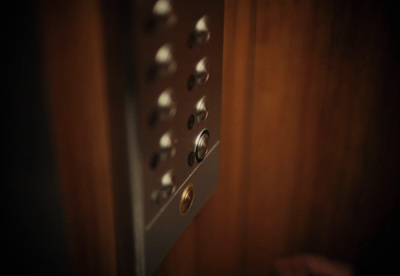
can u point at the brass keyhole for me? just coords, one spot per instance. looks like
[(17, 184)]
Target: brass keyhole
[(187, 199)]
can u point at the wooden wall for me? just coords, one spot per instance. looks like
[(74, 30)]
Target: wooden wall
[(310, 137), (75, 78)]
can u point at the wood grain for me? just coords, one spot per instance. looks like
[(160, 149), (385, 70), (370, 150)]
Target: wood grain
[(310, 139), (317, 144), (309, 145), (76, 81), (215, 240)]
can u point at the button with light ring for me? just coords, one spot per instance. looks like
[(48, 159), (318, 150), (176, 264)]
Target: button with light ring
[(187, 199), (202, 144)]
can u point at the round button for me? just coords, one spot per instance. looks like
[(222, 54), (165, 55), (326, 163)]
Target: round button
[(202, 109), (202, 33), (166, 105), (202, 71), (186, 199), (202, 145), (165, 61), (167, 145), (168, 182), (163, 14)]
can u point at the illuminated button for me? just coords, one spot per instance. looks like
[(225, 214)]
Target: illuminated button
[(202, 144), (202, 109), (202, 32), (202, 71), (163, 14), (187, 199), (166, 105), (165, 61), (168, 182), (167, 145)]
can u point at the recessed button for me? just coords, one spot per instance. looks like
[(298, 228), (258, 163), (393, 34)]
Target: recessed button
[(168, 182), (167, 145), (165, 61), (202, 32), (163, 14), (187, 199), (166, 105), (202, 109), (202, 144), (202, 71)]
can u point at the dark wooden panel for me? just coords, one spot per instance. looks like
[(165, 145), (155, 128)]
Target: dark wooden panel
[(310, 134), (310, 137), (325, 101), (34, 228), (73, 52)]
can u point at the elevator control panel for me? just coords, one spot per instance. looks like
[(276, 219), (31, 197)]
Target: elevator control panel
[(173, 120)]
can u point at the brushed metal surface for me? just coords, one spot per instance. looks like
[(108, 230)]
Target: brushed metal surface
[(165, 230)]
